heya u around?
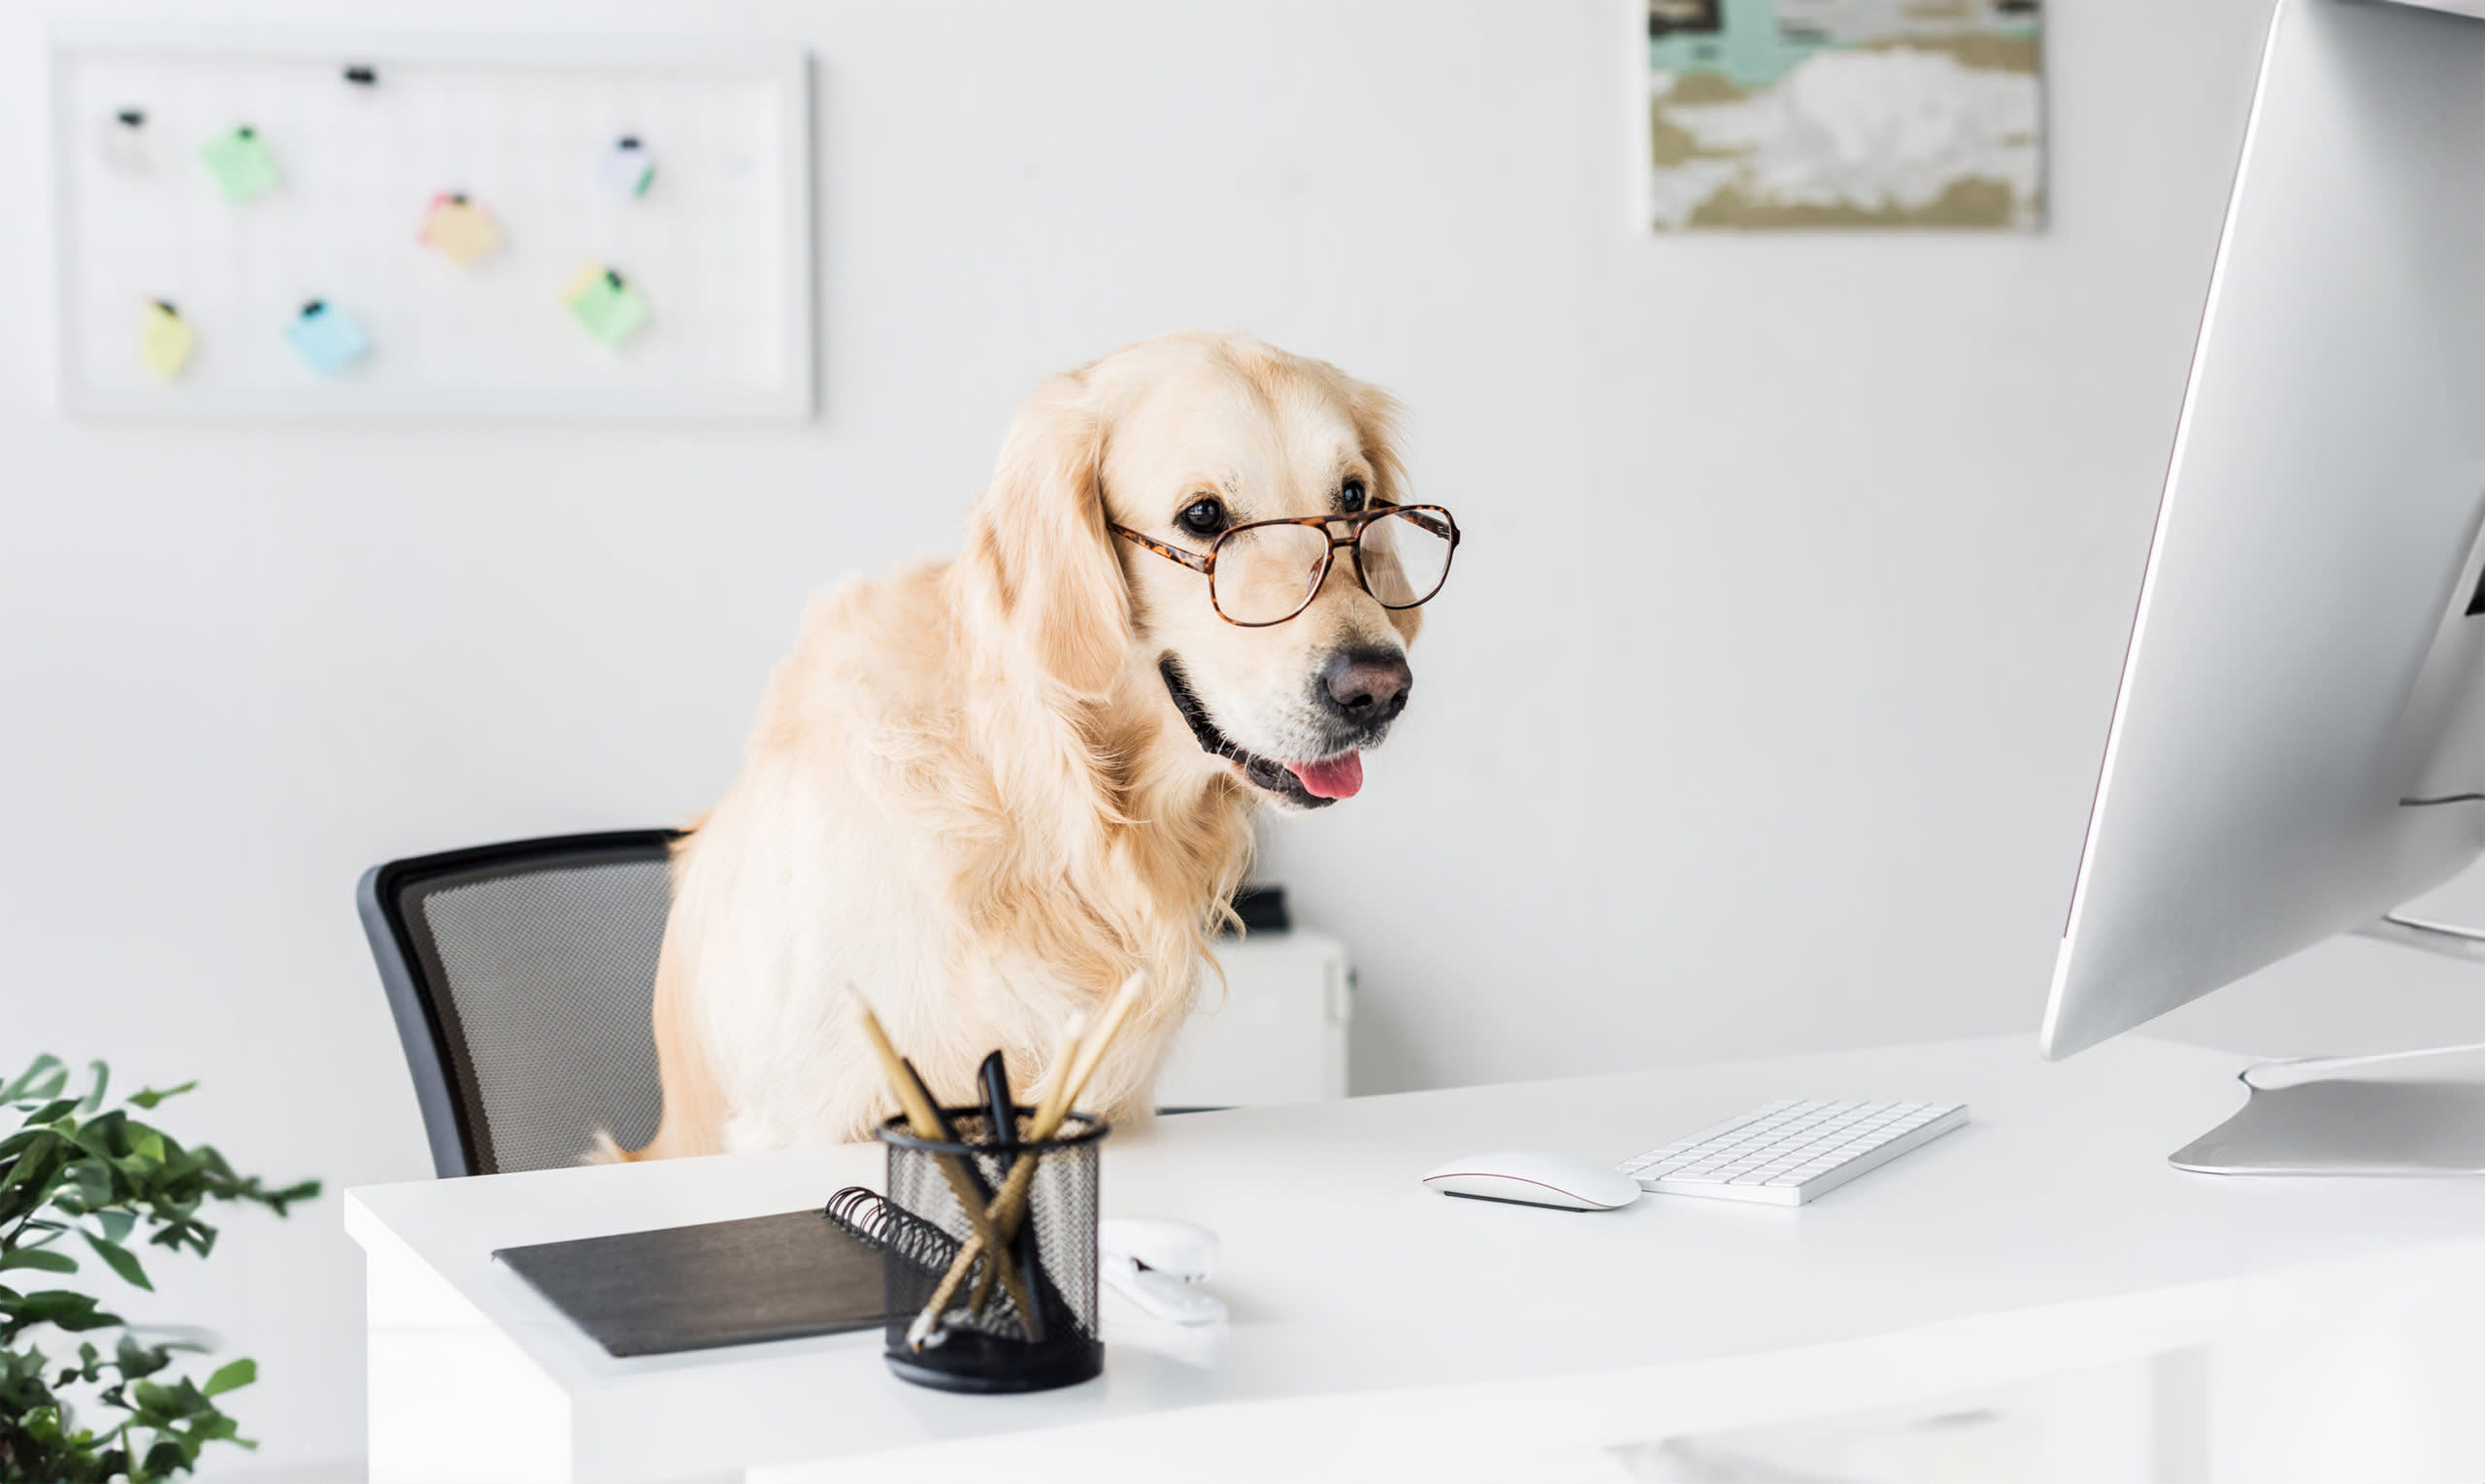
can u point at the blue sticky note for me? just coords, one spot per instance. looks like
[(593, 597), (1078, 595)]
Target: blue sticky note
[(328, 338)]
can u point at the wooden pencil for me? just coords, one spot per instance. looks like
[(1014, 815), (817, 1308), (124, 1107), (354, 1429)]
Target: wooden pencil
[(1007, 1208), (1064, 1056), (924, 1118)]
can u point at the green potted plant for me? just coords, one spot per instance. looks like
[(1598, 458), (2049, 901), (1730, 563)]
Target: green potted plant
[(80, 1182)]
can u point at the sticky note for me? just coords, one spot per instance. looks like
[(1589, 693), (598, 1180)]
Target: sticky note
[(610, 308), (328, 338), (460, 229), (241, 163), (626, 169), (165, 341)]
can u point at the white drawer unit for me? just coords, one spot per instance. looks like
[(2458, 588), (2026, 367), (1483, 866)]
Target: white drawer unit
[(1277, 1033)]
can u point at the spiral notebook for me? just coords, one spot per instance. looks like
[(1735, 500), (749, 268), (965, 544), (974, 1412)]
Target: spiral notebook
[(720, 1283)]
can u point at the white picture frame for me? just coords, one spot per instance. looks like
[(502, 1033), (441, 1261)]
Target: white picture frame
[(722, 242)]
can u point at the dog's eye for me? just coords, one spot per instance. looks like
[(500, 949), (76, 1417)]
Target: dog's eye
[(1204, 517), (1352, 497)]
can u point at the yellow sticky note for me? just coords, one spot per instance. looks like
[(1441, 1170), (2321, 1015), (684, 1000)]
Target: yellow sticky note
[(460, 228), (165, 341)]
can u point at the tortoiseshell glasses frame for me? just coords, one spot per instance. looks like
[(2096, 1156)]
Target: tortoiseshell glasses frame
[(1433, 519)]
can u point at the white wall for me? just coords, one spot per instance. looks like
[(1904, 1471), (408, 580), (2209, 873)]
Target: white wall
[(1762, 714)]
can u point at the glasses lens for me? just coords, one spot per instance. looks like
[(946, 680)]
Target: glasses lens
[(1404, 555), (1265, 574)]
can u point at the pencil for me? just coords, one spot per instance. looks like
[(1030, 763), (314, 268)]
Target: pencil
[(1092, 1053), (924, 1118), (1083, 1055), (1039, 1128)]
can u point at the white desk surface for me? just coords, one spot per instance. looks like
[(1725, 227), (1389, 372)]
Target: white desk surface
[(1348, 1280)]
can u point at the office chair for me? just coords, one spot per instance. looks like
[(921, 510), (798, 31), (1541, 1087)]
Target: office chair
[(523, 977)]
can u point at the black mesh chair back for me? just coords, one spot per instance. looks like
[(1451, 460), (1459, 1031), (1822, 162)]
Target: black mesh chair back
[(523, 977)]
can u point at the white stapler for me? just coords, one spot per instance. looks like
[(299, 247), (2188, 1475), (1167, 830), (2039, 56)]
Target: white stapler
[(1157, 1265)]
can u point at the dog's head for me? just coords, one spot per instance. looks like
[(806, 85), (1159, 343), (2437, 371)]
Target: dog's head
[(1113, 490)]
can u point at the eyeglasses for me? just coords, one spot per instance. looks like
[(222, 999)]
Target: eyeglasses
[(1266, 572)]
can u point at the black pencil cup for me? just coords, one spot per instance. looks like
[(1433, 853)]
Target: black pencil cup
[(1024, 1323)]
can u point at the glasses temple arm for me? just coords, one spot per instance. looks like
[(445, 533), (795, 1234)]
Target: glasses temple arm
[(1203, 565)]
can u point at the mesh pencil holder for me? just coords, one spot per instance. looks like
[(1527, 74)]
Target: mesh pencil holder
[(1024, 1324)]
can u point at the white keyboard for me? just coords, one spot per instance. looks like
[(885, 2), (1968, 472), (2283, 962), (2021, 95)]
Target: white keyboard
[(1790, 1151)]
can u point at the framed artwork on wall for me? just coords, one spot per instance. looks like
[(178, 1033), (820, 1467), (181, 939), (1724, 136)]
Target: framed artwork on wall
[(1844, 113)]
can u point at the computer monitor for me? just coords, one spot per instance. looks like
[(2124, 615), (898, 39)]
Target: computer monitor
[(2298, 746)]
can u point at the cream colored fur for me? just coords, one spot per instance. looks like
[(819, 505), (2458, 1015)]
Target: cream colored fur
[(969, 795)]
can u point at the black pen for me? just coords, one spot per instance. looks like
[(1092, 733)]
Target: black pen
[(997, 1107), (949, 1132)]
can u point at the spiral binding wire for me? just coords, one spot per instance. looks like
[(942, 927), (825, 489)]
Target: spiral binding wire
[(867, 1217), (882, 1224)]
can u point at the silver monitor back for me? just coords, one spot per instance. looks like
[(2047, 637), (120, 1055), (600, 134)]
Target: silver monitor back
[(2303, 662)]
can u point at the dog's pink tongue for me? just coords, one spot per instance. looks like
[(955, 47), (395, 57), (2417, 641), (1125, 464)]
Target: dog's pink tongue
[(1337, 778)]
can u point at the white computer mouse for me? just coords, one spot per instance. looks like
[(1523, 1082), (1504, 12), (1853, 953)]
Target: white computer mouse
[(1554, 1180)]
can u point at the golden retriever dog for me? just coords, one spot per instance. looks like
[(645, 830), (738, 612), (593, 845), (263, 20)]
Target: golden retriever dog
[(983, 793)]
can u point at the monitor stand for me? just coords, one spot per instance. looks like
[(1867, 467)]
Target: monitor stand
[(2301, 1119)]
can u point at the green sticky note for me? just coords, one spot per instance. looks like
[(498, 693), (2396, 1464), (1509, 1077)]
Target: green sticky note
[(241, 163), (611, 309)]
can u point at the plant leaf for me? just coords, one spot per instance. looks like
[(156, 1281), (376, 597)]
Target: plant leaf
[(134, 1358), (65, 1307), (116, 1224), (167, 1457), (94, 1178), (148, 1097), (307, 1190), (31, 1177), (216, 1427), (94, 1099), (231, 1376), (39, 1258), (103, 1136), (118, 1259), (56, 1108), (25, 1086), (32, 1155)]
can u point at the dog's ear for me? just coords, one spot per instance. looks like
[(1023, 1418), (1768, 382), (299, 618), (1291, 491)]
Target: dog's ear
[(1377, 416), (1039, 566)]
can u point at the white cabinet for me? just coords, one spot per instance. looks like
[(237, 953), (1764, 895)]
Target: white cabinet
[(1277, 1034)]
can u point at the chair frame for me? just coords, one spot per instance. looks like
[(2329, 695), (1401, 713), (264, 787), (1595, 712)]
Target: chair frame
[(415, 978)]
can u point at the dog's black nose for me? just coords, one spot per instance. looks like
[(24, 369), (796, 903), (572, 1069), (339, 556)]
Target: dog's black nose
[(1367, 686)]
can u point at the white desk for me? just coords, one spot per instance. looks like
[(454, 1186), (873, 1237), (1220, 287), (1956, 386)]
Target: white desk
[(1376, 1323)]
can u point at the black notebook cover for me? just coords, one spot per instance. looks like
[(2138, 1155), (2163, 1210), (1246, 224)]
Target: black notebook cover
[(724, 1283)]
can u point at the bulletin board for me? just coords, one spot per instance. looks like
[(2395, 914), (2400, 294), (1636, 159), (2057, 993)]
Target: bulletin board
[(263, 223)]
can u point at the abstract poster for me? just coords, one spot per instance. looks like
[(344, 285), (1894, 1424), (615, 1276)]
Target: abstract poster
[(1809, 113)]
